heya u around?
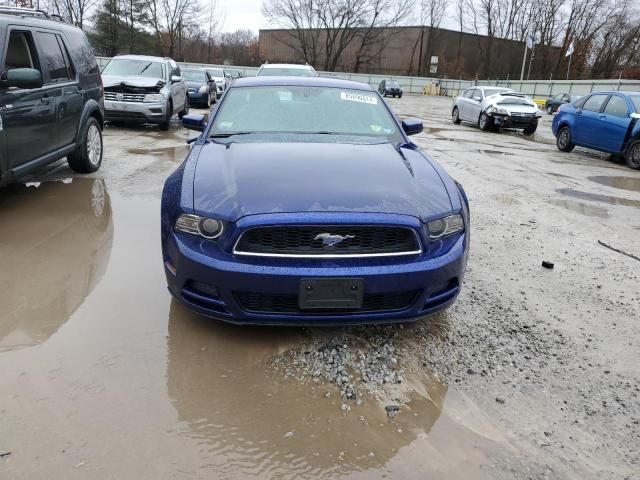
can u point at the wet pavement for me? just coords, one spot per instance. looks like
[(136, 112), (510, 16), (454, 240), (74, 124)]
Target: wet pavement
[(531, 374)]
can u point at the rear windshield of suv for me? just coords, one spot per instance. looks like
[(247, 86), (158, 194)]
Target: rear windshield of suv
[(286, 72), (393, 84), (134, 68)]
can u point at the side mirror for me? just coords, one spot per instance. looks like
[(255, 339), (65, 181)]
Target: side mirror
[(176, 78), (635, 115), (411, 126), (194, 122), (27, 78)]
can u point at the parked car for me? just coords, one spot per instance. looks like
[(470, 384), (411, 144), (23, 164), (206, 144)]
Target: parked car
[(220, 78), (390, 87), (495, 108), (552, 104), (278, 215), (144, 89), (201, 87), (604, 121), (51, 95), (286, 70)]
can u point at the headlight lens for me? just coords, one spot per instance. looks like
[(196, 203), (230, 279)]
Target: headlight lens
[(203, 89), (502, 111), (202, 226), (490, 109), (153, 97), (445, 226)]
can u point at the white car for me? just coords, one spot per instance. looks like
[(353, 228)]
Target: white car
[(286, 70), (495, 108)]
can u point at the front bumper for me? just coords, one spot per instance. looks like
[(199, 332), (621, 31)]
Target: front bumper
[(513, 121), (198, 98), (134, 111), (212, 285)]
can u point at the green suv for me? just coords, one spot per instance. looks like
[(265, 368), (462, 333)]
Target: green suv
[(51, 96)]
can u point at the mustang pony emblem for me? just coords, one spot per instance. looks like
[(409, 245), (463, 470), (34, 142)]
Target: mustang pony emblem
[(330, 239)]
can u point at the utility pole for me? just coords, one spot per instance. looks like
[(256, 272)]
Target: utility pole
[(533, 48), (524, 61)]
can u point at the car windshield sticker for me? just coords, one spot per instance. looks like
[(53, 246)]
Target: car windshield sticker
[(356, 97), (376, 128), (226, 125)]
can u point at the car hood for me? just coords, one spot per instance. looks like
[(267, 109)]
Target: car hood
[(239, 179), (132, 81)]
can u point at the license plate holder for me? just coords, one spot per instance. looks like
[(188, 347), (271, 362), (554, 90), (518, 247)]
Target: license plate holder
[(330, 293)]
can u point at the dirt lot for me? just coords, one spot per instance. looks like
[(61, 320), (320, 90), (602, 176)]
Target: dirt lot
[(533, 373)]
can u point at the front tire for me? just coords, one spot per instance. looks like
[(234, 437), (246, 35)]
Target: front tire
[(549, 110), (87, 158), (563, 139), (455, 116), (185, 110), (164, 125), (530, 130), (485, 122), (632, 156)]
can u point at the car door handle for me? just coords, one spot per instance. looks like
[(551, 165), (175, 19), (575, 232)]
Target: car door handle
[(602, 116), (578, 112), (46, 100)]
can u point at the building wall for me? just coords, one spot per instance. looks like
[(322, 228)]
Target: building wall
[(458, 54)]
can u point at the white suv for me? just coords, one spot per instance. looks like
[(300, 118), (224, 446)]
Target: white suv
[(286, 70)]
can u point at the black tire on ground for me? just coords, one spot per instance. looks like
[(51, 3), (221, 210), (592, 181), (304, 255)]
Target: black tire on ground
[(455, 116), (563, 139), (400, 96), (632, 156), (530, 130), (549, 110), (164, 125), (185, 110), (87, 158), (485, 122)]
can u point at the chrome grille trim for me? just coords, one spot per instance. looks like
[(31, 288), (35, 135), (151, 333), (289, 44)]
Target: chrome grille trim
[(126, 97), (329, 254)]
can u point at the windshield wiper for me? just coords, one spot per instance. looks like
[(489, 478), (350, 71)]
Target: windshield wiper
[(145, 68), (229, 134)]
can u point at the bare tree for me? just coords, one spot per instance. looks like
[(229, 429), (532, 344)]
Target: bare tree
[(170, 19), (74, 11)]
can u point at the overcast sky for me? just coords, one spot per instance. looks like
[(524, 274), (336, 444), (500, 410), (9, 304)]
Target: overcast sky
[(243, 14)]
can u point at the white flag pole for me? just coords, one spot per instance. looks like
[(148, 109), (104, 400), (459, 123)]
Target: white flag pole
[(569, 65), (524, 60)]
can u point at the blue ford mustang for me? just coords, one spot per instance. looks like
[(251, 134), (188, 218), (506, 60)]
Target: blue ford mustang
[(304, 202), (605, 121)]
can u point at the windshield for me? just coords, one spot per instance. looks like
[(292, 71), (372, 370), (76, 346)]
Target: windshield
[(493, 91), (286, 72), (635, 99), (514, 101), (215, 72), (194, 75), (393, 84), (304, 111), (137, 68)]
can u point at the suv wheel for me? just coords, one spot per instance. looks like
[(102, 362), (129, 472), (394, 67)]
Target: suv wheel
[(164, 125), (185, 111), (633, 155), (88, 156), (530, 130), (549, 110), (563, 140)]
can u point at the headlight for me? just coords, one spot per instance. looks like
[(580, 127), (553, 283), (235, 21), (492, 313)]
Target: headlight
[(445, 226), (202, 226), (490, 109), (538, 113), (203, 89), (153, 97), (501, 111)]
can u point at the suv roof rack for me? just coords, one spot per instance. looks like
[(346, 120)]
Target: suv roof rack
[(29, 12)]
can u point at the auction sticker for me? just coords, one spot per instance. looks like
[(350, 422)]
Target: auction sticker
[(357, 97)]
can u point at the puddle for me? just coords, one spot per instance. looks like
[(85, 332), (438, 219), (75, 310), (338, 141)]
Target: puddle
[(173, 154), (623, 183), (595, 197), (114, 357), (55, 246), (583, 208), (495, 152)]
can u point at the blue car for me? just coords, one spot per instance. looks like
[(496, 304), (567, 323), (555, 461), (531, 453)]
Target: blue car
[(304, 202), (605, 121), (201, 87)]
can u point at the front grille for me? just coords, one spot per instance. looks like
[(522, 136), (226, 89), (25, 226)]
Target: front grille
[(125, 115), (523, 115), (372, 302), (319, 241), (126, 97)]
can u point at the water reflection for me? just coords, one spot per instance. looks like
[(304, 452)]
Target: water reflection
[(253, 423), (55, 246)]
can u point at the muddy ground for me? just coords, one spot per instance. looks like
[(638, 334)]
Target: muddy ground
[(533, 373)]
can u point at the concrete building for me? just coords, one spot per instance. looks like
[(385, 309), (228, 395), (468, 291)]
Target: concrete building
[(415, 50)]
